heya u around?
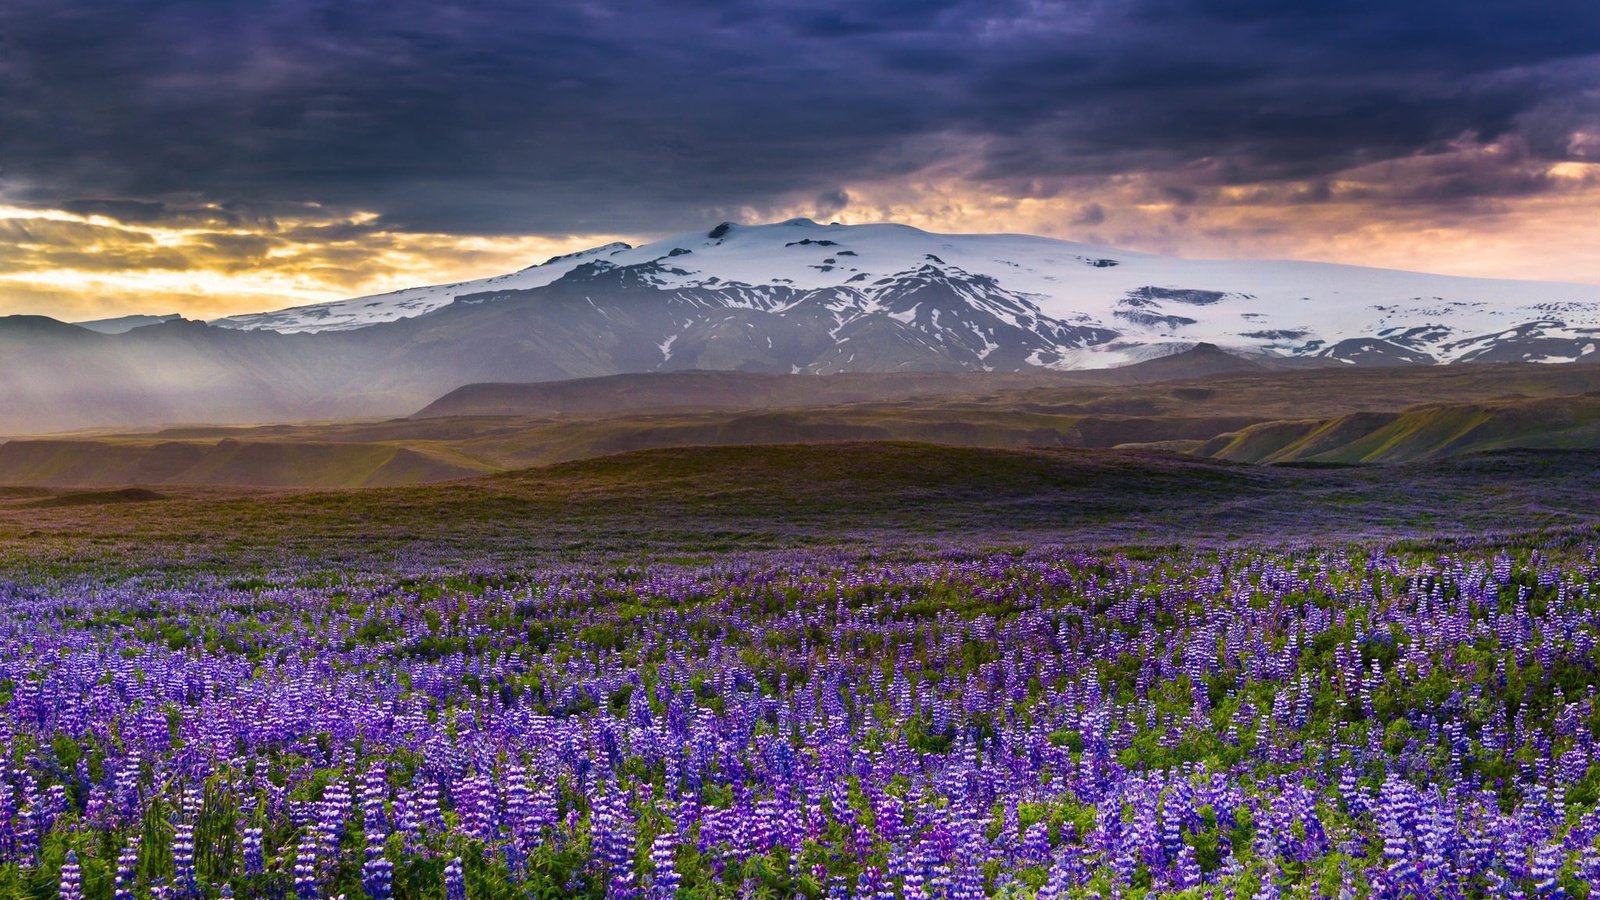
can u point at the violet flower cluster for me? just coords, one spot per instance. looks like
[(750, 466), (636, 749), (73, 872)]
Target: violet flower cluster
[(1363, 722)]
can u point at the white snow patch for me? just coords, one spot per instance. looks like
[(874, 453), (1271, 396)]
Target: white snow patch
[(1329, 302)]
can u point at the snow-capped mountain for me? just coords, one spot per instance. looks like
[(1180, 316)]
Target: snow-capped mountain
[(794, 297), (359, 312), (882, 297)]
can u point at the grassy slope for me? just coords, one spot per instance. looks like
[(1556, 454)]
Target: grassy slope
[(695, 500), (1417, 433), (1321, 415), (114, 461)]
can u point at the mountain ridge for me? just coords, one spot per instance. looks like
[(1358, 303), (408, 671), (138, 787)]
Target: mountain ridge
[(1095, 306), (795, 297)]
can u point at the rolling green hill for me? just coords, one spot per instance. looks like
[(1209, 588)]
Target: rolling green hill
[(1417, 433), (108, 462), (712, 499), (1345, 415)]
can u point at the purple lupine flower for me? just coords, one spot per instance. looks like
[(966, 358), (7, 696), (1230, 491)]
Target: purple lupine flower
[(127, 865), (613, 840), (1547, 871), (183, 876), (1290, 655), (253, 862), (51, 806), (455, 883), (1035, 850), (1057, 884), (1185, 869), (374, 790), (1267, 852), (71, 878), (664, 875), (331, 814), (474, 804), (305, 867), (377, 873), (871, 885)]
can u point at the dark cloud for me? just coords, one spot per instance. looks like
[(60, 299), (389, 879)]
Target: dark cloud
[(132, 211), (831, 203), (625, 116)]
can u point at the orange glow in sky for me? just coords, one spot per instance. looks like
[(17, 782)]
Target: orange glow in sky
[(77, 267)]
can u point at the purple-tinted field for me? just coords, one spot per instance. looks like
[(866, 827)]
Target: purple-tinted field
[(1244, 723)]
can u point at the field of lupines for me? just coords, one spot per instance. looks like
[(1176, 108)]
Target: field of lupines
[(1251, 724)]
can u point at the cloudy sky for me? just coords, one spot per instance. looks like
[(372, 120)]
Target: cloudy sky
[(215, 156)]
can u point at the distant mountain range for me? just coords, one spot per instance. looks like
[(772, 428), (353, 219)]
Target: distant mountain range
[(125, 324), (792, 297)]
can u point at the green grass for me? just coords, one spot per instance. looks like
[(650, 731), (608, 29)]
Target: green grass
[(110, 461), (1330, 415), (705, 500), (96, 498), (1418, 433)]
